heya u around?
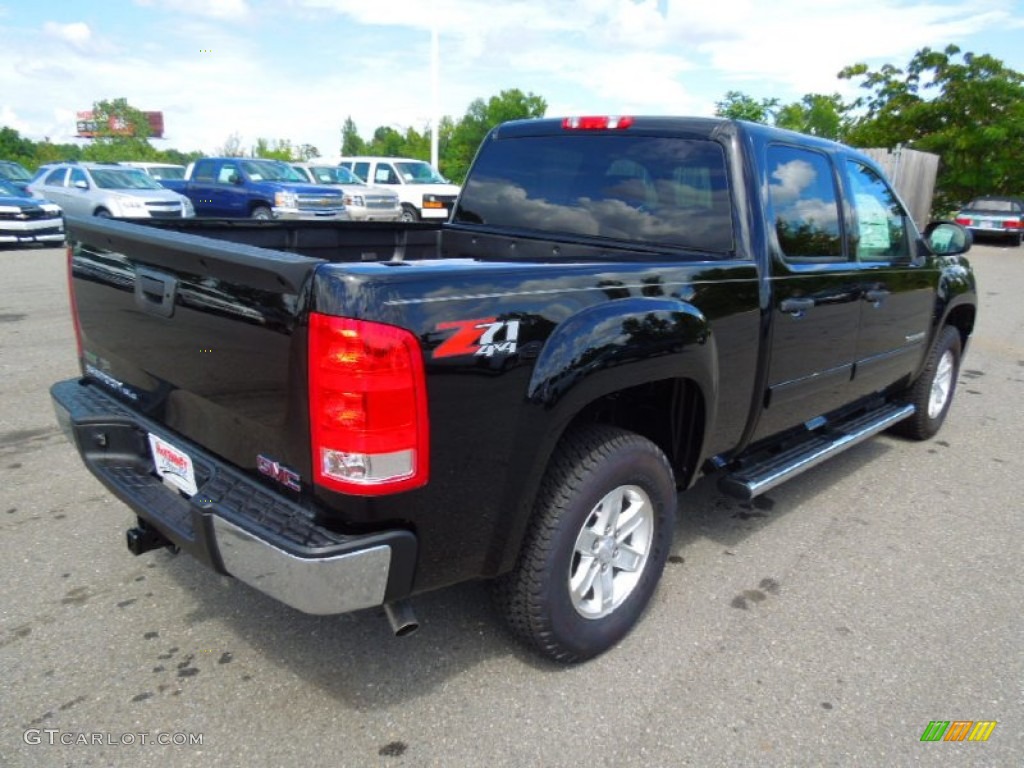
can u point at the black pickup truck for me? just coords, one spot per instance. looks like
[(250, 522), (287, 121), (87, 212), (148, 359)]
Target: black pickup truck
[(346, 415)]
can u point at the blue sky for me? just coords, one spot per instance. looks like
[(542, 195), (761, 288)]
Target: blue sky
[(295, 69)]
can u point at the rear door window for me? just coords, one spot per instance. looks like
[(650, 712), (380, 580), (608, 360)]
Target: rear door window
[(56, 178), (640, 189), (204, 171), (805, 205)]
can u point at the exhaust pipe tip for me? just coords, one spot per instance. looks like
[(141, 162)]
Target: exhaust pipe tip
[(401, 617)]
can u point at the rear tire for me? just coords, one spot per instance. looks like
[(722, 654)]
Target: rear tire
[(932, 393), (600, 534), (262, 213), (103, 213)]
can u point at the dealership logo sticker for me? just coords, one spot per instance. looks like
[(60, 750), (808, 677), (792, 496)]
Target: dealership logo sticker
[(959, 730), (485, 337), (173, 465)]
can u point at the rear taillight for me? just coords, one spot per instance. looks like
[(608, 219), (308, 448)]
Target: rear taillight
[(963, 221), (367, 407), (1013, 224), (74, 304), (596, 123)]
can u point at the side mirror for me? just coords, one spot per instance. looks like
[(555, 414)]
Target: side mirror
[(948, 238)]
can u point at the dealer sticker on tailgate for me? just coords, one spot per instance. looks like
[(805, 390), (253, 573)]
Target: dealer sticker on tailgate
[(173, 465)]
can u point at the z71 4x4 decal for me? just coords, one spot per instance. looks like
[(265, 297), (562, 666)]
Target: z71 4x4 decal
[(484, 337)]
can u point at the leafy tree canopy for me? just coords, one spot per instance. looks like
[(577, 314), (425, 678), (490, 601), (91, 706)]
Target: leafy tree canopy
[(737, 105), (457, 141), (966, 108)]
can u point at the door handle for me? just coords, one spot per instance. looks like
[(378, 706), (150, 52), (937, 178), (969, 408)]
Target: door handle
[(876, 295), (796, 307)]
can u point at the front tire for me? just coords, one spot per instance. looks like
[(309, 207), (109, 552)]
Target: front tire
[(932, 393), (600, 534), (262, 213), (409, 214)]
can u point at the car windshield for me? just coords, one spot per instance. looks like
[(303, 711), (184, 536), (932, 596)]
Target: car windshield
[(14, 172), (9, 190), (122, 179), (270, 170), (331, 174), (419, 173), (1002, 206), (167, 172)]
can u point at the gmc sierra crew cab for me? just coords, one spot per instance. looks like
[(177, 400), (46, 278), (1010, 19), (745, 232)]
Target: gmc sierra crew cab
[(347, 415)]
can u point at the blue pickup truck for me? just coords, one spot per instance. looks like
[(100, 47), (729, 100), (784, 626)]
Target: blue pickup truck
[(238, 187)]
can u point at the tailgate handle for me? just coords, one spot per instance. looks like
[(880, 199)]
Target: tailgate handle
[(155, 292)]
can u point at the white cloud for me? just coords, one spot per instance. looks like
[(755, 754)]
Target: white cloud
[(297, 68), (77, 34)]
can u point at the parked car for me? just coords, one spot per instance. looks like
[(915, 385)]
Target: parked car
[(363, 203), (16, 174), (158, 171), (994, 216), (24, 219), (425, 193), (239, 187), (108, 189)]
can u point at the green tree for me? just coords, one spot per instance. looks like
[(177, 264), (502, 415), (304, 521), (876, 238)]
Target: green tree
[(122, 133), (968, 109), (351, 142), (386, 141), (14, 147), (276, 149), (817, 115), (737, 105), (480, 118)]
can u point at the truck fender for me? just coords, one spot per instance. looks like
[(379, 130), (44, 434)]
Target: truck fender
[(956, 301), (601, 350), (620, 344)]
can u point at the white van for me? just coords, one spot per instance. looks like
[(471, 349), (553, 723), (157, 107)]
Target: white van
[(425, 193)]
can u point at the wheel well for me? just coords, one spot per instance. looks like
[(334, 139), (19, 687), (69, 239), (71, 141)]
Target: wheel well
[(962, 318), (669, 413)]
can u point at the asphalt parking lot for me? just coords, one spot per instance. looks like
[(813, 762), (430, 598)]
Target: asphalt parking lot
[(825, 625)]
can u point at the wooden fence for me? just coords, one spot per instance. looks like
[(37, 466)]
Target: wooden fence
[(913, 174)]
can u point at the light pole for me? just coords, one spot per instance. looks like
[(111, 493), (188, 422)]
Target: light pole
[(435, 88)]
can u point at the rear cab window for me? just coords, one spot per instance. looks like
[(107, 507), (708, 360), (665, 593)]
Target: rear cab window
[(648, 190)]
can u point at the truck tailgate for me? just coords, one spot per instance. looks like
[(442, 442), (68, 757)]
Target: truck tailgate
[(199, 336)]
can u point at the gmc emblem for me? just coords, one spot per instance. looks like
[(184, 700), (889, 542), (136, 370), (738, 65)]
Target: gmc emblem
[(283, 475)]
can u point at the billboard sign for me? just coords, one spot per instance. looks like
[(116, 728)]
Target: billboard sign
[(87, 129)]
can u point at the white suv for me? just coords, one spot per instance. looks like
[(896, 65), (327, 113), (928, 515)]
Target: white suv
[(361, 202), (425, 193)]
